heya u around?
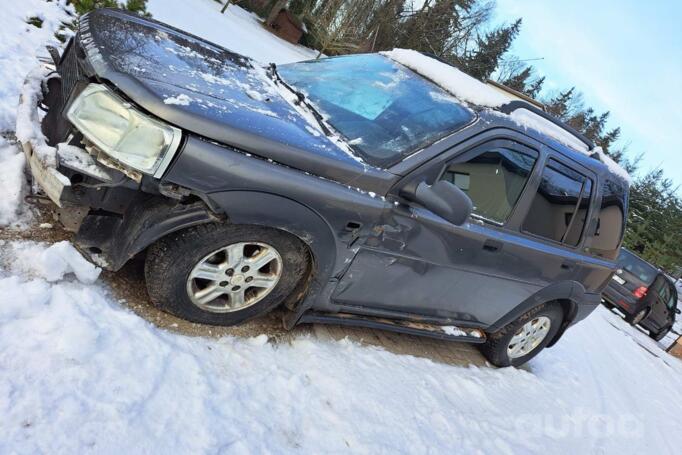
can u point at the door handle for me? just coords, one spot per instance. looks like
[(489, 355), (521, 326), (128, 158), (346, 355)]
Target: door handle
[(492, 245), (567, 265)]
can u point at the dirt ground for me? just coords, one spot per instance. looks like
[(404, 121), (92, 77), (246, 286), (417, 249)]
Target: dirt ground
[(128, 288)]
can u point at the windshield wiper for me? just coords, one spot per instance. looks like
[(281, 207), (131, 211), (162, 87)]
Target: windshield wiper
[(301, 100)]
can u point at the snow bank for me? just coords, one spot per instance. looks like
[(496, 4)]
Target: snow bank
[(51, 263), (460, 84), (79, 373), (27, 127), (20, 45), (236, 29), (11, 182)]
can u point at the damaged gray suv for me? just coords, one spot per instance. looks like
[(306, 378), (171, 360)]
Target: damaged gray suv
[(375, 190)]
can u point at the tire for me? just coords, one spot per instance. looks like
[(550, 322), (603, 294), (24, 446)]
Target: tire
[(495, 349), (637, 317), (658, 336), (173, 261)]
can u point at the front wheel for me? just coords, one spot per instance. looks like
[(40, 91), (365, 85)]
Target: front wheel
[(522, 339), (224, 274)]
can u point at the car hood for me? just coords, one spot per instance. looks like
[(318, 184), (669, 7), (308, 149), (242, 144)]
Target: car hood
[(210, 91)]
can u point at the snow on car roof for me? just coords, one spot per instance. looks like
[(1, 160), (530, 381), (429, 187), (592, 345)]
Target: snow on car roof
[(471, 90), (457, 82)]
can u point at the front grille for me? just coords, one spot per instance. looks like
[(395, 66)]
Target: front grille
[(55, 126), (69, 71)]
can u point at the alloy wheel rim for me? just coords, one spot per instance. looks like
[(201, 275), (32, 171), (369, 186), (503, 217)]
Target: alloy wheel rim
[(528, 337), (234, 277)]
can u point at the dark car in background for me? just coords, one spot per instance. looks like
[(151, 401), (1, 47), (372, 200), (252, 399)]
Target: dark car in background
[(645, 295), (348, 190)]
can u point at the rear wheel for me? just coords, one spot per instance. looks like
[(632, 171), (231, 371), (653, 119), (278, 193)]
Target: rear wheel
[(224, 274), (524, 338), (658, 336), (639, 316)]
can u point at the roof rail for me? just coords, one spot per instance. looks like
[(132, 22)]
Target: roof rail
[(515, 93), (511, 106)]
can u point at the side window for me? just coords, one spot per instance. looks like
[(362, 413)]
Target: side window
[(664, 292), (560, 206), (672, 300), (611, 220), (493, 179)]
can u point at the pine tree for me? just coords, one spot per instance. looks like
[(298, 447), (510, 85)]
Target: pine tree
[(534, 87), (561, 105), (521, 79), (136, 6), (490, 48), (518, 81), (384, 25), (654, 228)]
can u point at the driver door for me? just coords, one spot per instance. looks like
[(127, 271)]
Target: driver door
[(420, 264)]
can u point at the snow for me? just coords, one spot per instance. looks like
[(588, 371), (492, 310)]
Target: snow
[(82, 373), (28, 117), (528, 119), (51, 263), (11, 182), (236, 29), (612, 165), (453, 331), (181, 100), (21, 43), (458, 332), (460, 84), (78, 159), (20, 46)]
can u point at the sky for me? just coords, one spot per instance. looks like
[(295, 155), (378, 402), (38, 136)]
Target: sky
[(626, 58)]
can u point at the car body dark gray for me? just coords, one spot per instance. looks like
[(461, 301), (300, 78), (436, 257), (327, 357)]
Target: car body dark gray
[(644, 293), (378, 257)]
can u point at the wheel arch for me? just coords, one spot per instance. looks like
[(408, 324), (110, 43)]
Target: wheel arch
[(274, 211), (566, 294), (118, 239)]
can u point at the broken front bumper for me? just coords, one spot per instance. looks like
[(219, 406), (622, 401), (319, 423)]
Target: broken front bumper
[(48, 178), (57, 167)]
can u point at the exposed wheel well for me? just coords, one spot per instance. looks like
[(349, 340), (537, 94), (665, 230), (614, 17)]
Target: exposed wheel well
[(569, 308)]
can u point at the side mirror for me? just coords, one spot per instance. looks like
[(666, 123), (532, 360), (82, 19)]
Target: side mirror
[(444, 199), (678, 311)]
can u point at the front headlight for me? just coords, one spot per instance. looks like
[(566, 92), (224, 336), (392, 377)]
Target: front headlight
[(129, 136)]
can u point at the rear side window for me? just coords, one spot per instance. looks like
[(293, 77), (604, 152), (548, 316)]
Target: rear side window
[(493, 179), (636, 266), (560, 206), (672, 300), (611, 220), (663, 290)]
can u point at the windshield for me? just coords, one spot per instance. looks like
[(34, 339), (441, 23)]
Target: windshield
[(382, 109), (636, 266)]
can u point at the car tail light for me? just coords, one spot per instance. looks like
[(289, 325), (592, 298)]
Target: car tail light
[(640, 292)]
